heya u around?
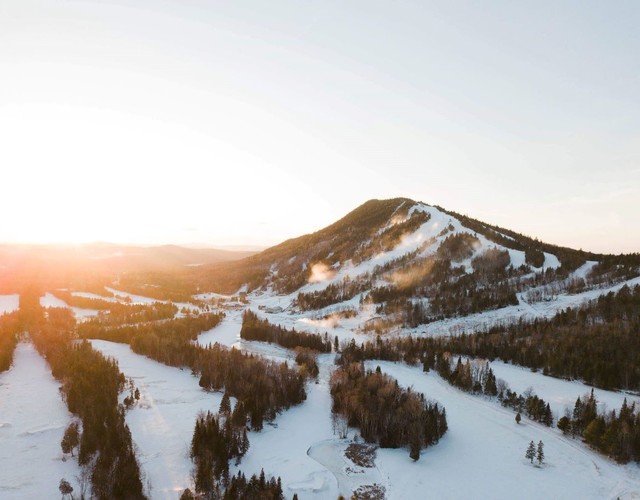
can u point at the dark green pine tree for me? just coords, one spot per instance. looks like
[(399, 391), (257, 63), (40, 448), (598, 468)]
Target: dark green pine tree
[(547, 419), (540, 452), (225, 405), (490, 386), (531, 452)]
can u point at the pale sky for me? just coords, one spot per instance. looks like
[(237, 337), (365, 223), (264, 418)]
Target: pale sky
[(249, 122)]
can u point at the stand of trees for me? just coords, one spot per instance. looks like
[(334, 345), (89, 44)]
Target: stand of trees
[(215, 442), (90, 387), (477, 377), (181, 329), (254, 328), (598, 343), (616, 434), (263, 388), (333, 293), (121, 314), (530, 404), (385, 413), (9, 328), (241, 488)]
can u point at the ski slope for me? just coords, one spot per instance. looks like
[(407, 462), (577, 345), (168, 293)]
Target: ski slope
[(33, 419)]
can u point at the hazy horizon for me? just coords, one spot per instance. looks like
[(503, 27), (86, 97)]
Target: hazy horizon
[(245, 124)]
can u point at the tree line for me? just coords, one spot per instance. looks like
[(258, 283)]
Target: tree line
[(384, 412), (616, 433), (10, 326), (254, 328), (476, 377), (214, 443)]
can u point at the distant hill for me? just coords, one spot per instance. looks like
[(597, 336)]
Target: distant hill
[(75, 265)]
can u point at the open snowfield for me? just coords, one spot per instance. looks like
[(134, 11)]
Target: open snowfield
[(49, 300), (482, 454), (162, 421), (33, 418), (95, 296), (9, 303), (560, 394), (135, 299), (227, 332)]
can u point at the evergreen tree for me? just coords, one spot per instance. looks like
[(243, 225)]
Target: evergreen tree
[(547, 419), (540, 452), (225, 405), (531, 452), (71, 438), (490, 386), (564, 424), (518, 418)]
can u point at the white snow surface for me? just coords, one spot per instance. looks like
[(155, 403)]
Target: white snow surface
[(33, 419), (482, 454), (517, 257), (90, 295), (550, 261), (584, 269), (9, 303), (227, 332), (135, 299), (560, 394), (50, 300)]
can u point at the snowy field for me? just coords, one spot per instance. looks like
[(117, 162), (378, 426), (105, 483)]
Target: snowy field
[(126, 297), (482, 454), (33, 418), (49, 300), (135, 299), (226, 333), (9, 303), (560, 394)]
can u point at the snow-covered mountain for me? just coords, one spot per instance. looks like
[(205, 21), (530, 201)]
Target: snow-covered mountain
[(407, 267)]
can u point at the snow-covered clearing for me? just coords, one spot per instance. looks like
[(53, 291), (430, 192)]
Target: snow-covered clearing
[(584, 269), (482, 454), (95, 296), (49, 300), (135, 299), (126, 297), (560, 394), (227, 332), (33, 418), (162, 421), (9, 303)]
